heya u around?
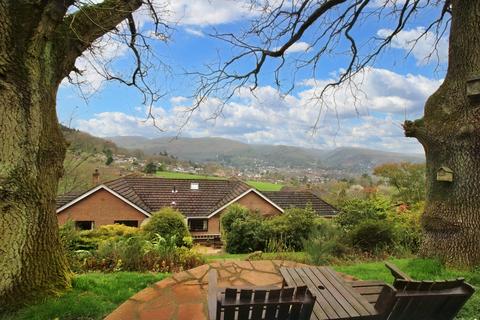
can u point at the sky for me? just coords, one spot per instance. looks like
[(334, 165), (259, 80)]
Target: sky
[(367, 114)]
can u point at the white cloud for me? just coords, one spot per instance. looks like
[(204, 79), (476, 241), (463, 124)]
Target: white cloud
[(297, 47), (195, 32), (210, 12), (373, 121), (422, 50), (178, 100)]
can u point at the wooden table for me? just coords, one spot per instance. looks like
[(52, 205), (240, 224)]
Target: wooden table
[(336, 299)]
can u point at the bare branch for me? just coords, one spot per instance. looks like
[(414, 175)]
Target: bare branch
[(330, 24)]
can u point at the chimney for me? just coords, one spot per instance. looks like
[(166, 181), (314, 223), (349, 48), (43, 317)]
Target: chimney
[(96, 178)]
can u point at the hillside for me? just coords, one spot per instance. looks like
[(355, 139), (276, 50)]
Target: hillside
[(240, 155), (80, 141)]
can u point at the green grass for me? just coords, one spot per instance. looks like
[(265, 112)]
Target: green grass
[(226, 256), (265, 186), (93, 296), (420, 269), (182, 175), (259, 185)]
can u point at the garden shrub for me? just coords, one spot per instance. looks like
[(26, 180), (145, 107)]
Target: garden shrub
[(325, 243), (234, 213), (90, 239), (243, 231), (140, 254), (70, 240), (371, 235), (246, 231), (112, 231), (408, 231), (355, 211), (291, 227), (168, 222)]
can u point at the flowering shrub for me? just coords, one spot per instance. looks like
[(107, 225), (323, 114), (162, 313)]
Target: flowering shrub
[(118, 248)]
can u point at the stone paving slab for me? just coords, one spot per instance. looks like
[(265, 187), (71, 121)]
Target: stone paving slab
[(184, 295)]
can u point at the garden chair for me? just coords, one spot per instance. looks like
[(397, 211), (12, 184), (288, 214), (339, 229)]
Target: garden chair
[(408, 299), (288, 303)]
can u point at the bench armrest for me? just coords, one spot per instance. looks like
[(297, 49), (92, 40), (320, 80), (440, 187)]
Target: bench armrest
[(212, 294), (396, 272)]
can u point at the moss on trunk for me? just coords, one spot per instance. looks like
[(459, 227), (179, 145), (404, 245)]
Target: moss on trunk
[(32, 150), (450, 135), (39, 43)]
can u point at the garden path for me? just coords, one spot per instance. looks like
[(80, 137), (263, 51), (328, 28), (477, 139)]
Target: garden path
[(184, 295)]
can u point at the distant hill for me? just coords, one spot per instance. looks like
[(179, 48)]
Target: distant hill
[(80, 141), (238, 154)]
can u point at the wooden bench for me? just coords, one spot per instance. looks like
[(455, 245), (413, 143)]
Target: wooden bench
[(336, 298), (396, 272), (422, 300), (292, 303)]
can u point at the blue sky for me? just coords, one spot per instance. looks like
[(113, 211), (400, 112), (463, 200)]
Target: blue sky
[(390, 91)]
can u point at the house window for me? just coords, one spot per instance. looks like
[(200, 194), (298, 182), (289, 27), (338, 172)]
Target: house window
[(128, 223), (84, 225), (198, 224)]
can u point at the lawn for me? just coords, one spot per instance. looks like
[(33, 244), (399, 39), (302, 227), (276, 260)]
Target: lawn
[(265, 186), (93, 296), (259, 185), (182, 175)]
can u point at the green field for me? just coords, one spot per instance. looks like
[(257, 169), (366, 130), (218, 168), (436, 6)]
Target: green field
[(265, 186), (181, 175), (259, 185)]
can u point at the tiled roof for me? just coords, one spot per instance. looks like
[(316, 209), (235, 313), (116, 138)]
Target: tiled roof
[(152, 194), (65, 198), (299, 199)]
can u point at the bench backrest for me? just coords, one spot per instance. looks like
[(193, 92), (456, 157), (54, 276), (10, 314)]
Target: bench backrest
[(295, 303), (424, 300)]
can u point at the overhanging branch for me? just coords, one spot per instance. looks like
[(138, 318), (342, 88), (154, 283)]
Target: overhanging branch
[(93, 21)]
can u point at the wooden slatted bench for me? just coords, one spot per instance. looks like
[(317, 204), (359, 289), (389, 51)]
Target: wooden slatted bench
[(336, 299), (370, 289), (423, 300), (293, 303)]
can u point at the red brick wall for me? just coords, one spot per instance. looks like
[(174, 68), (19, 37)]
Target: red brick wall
[(103, 208), (251, 201), (256, 203)]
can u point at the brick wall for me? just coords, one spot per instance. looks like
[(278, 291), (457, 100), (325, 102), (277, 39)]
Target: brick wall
[(103, 208), (251, 201)]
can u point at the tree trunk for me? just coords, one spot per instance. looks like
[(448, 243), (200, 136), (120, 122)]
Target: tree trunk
[(32, 151), (39, 43), (450, 135)]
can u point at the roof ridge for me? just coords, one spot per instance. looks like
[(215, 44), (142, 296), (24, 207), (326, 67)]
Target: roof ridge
[(188, 179), (132, 188), (233, 191)]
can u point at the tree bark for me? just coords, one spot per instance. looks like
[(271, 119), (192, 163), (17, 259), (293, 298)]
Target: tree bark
[(32, 150), (38, 48), (450, 135)]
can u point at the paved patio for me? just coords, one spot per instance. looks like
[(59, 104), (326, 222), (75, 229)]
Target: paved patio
[(184, 295)]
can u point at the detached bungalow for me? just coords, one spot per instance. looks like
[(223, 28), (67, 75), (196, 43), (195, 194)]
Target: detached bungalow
[(130, 200)]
